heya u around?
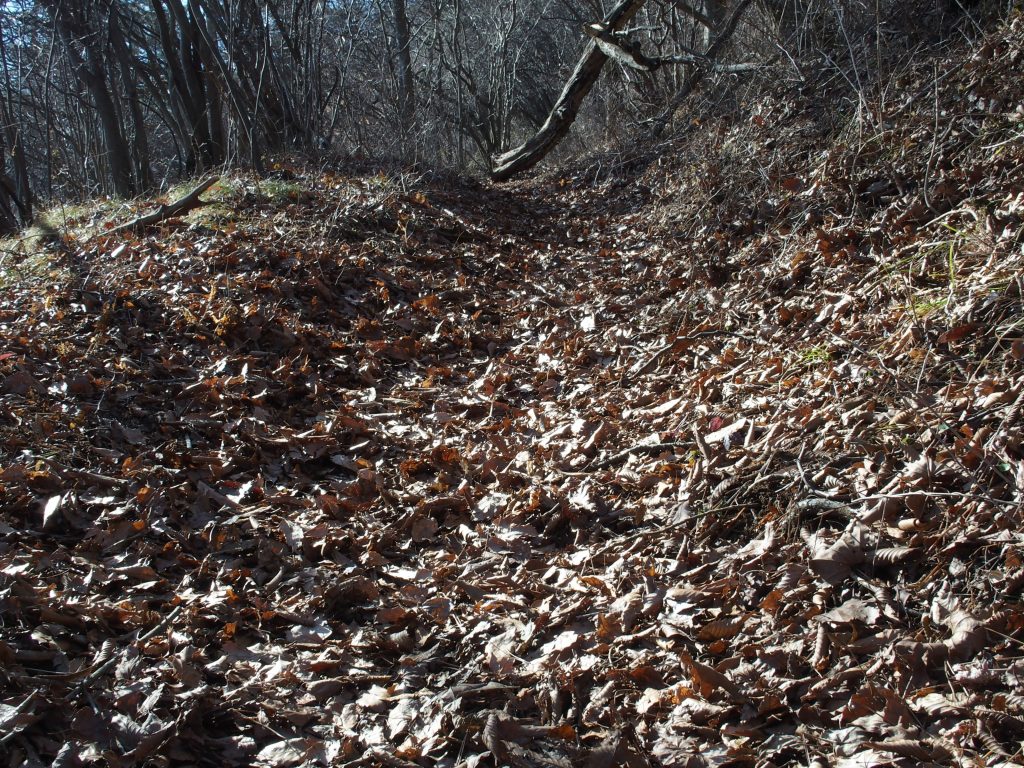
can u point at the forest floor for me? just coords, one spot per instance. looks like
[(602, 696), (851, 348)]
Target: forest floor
[(707, 456)]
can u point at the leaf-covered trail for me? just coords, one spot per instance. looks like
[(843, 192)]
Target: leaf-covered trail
[(375, 471)]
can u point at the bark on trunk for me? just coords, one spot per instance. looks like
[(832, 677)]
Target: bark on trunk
[(8, 221), (407, 96), (715, 12), (89, 69), (18, 196), (140, 141), (15, 194), (784, 14), (206, 17)]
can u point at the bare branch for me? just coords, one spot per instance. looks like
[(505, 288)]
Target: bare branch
[(164, 212), (699, 73), (568, 104)]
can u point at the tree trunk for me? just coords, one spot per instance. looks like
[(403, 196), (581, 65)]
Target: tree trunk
[(784, 13), (576, 89), (90, 72), (9, 204), (407, 88), (206, 18), (8, 221), (16, 195), (715, 11), (127, 64), (197, 83), (180, 103)]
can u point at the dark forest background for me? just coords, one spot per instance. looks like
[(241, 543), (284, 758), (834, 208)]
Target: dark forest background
[(122, 97)]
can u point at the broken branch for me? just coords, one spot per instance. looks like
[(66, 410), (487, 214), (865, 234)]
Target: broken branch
[(169, 211)]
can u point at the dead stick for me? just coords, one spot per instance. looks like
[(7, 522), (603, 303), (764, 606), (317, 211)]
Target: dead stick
[(19, 710), (164, 212), (654, 448), (636, 370), (102, 669)]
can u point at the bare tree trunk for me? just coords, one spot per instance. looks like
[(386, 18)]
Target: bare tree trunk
[(785, 14), (407, 88), (715, 11), (569, 102), (15, 194), (24, 199), (182, 81), (140, 141), (206, 17), (460, 119), (10, 221), (89, 70)]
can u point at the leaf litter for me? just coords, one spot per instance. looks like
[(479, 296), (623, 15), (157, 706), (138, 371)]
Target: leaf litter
[(574, 471)]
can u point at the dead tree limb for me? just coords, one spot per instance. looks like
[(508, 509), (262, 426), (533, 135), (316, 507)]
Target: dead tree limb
[(579, 84), (712, 66), (170, 210), (616, 46), (608, 42), (619, 48), (700, 72)]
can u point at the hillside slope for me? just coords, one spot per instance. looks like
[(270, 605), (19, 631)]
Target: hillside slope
[(712, 459)]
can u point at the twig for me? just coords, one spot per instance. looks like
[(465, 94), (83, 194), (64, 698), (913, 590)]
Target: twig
[(702, 444), (916, 98), (936, 495), (653, 357), (641, 448), (19, 710), (800, 469), (611, 546), (82, 474), (102, 669), (183, 205)]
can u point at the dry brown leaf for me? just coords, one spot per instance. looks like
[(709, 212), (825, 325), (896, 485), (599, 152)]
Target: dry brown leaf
[(708, 681)]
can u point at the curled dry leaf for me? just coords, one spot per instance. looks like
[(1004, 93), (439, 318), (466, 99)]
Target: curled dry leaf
[(709, 682)]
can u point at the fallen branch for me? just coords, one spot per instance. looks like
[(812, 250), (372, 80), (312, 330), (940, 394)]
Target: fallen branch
[(83, 475), (105, 666), (640, 368), (13, 714), (617, 544), (722, 69), (169, 211)]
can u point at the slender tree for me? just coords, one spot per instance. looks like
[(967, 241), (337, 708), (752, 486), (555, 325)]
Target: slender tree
[(74, 20), (407, 88)]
